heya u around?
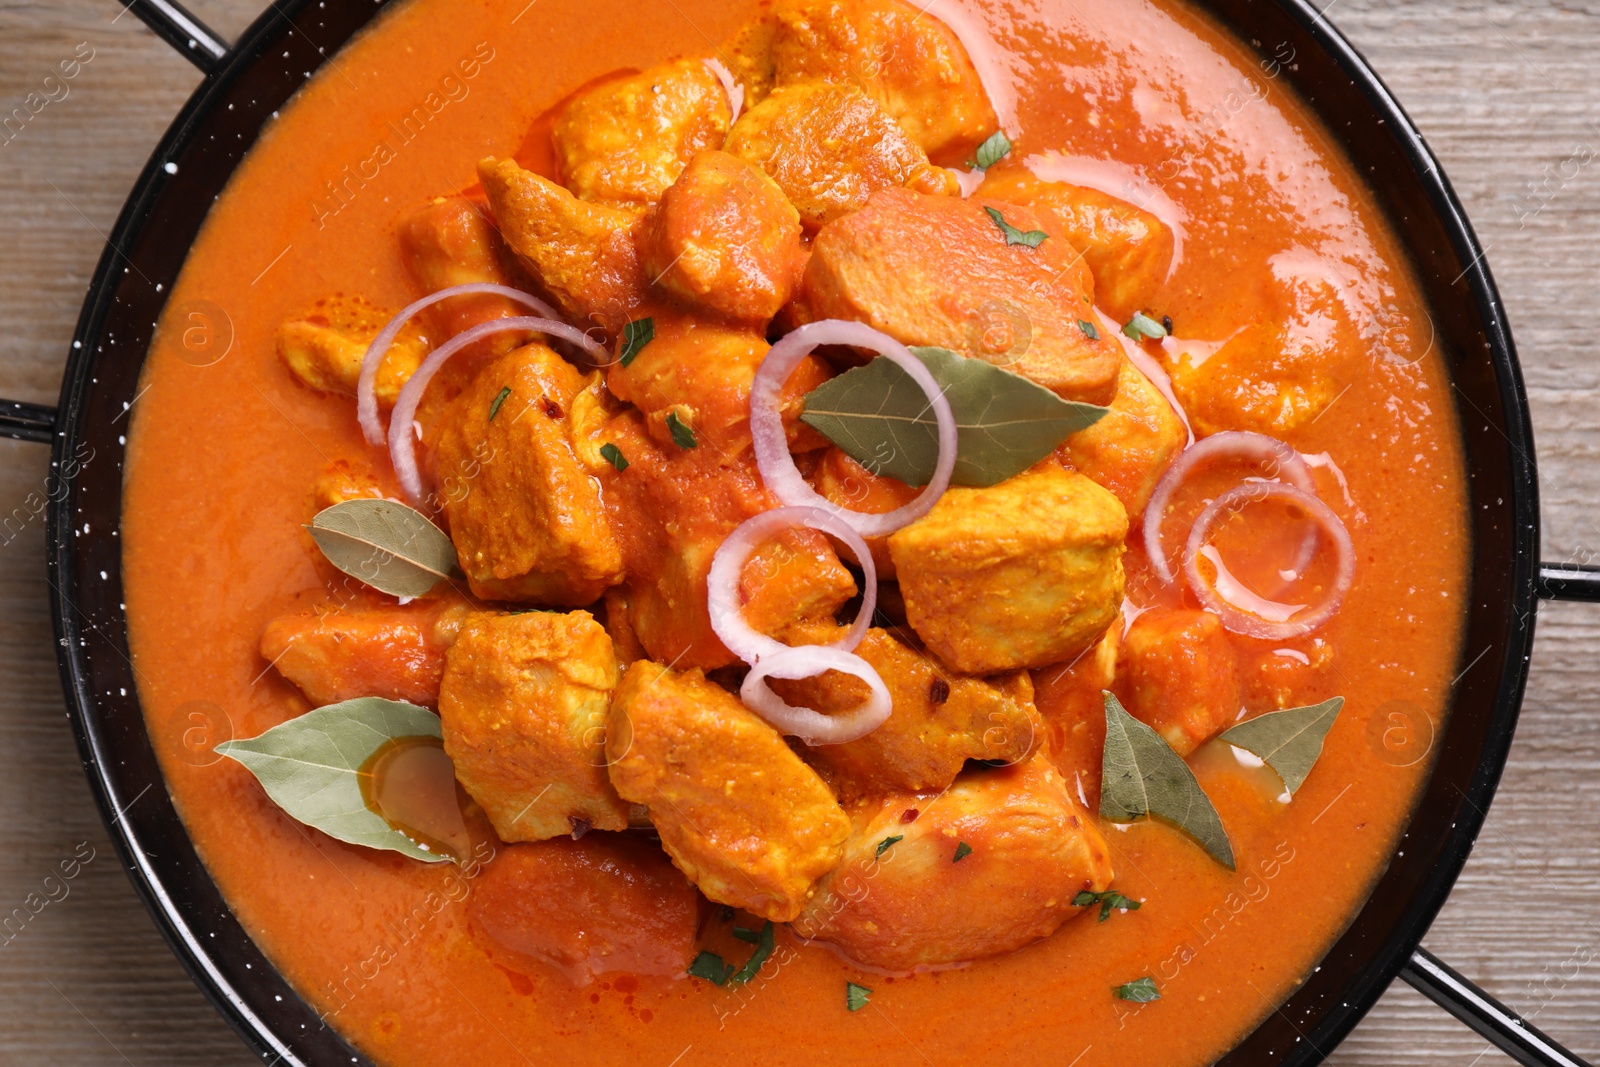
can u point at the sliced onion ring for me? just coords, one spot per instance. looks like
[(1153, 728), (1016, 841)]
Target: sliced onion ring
[(727, 566), (1239, 619), (402, 434), (366, 388), (730, 86), (813, 727), (1243, 444), (783, 478)]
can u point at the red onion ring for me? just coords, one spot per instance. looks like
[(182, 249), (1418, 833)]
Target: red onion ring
[(734, 90), (402, 433), (1297, 621), (777, 467), (366, 388), (813, 727), (1244, 444), (967, 180), (727, 566)]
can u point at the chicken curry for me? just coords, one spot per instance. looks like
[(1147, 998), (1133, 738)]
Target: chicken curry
[(829, 529)]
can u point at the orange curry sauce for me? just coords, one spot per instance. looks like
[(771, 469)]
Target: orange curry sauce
[(222, 458)]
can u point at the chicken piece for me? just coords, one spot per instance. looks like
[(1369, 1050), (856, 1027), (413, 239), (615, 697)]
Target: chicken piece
[(625, 140), (910, 63), (623, 639), (1267, 378), (1071, 701), (829, 148), (791, 582), (938, 722), (1129, 449), (737, 811), (581, 254), (1030, 849), (588, 418), (344, 480), (1177, 675), (1288, 674), (1273, 377), (702, 371), (450, 241), (601, 905), (1022, 574), (325, 348), (931, 270), (848, 484), (674, 507), (724, 239), (1129, 250), (525, 516), (524, 704), (397, 653)]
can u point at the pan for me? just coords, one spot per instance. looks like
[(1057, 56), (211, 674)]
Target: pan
[(245, 83)]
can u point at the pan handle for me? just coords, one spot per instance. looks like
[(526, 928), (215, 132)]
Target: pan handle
[(1492, 1020), (27, 422), (1442, 984), (188, 35), (1569, 581), (197, 43)]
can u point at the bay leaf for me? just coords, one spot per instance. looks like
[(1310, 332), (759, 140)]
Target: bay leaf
[(311, 767), (1290, 741), (1142, 775), (385, 544), (1004, 423)]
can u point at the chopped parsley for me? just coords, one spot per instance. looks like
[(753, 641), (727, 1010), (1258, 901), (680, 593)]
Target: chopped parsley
[(682, 432), (883, 846), (500, 398), (1088, 330), (709, 965), (992, 151), (856, 996), (613, 455), (1140, 990), (963, 850), (635, 335), (1108, 901), (1142, 326), (714, 969), (764, 946), (1014, 236)]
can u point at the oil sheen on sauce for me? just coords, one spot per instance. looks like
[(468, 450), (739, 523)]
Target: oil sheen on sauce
[(412, 784), (1141, 96)]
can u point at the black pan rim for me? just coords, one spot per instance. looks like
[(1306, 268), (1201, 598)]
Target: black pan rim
[(1524, 506), (240, 1008)]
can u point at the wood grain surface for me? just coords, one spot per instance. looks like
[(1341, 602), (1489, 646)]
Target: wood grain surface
[(1506, 93)]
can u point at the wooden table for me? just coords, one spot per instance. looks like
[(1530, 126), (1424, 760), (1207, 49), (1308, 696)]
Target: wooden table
[(1509, 98)]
